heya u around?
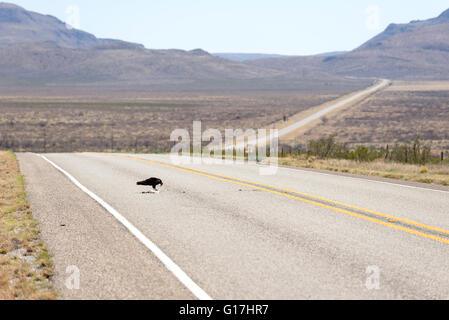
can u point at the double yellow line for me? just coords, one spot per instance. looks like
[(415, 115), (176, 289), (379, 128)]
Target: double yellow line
[(290, 194)]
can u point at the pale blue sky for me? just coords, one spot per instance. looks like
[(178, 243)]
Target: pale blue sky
[(262, 26)]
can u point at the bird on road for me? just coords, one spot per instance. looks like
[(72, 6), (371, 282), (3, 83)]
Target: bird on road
[(152, 182)]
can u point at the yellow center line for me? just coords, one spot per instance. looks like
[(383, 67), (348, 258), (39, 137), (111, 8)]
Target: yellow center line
[(390, 217), (254, 185)]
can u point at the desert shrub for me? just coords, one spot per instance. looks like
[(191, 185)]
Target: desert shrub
[(411, 153), (363, 154), (423, 170), (328, 148), (325, 147)]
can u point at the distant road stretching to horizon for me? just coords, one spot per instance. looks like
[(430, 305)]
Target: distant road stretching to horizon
[(351, 98), (382, 84)]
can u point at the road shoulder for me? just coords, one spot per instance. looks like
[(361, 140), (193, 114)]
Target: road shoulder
[(25, 266)]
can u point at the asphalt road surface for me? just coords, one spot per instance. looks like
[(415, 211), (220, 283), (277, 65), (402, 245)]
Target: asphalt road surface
[(226, 232)]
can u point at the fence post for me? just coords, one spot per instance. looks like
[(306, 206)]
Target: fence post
[(45, 140), (112, 143), (442, 156)]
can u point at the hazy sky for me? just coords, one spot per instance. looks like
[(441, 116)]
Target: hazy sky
[(253, 26)]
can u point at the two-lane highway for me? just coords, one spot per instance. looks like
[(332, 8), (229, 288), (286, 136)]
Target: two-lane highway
[(238, 235)]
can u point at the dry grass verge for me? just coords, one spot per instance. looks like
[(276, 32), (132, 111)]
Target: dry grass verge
[(25, 265), (432, 174)]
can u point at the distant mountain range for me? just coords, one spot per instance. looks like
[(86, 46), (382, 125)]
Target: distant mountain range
[(19, 26), (242, 57), (40, 49), (417, 50)]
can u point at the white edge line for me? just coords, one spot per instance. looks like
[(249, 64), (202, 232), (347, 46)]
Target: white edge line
[(169, 264), (367, 179)]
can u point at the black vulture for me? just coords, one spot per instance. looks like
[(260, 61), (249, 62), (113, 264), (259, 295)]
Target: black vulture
[(152, 182)]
